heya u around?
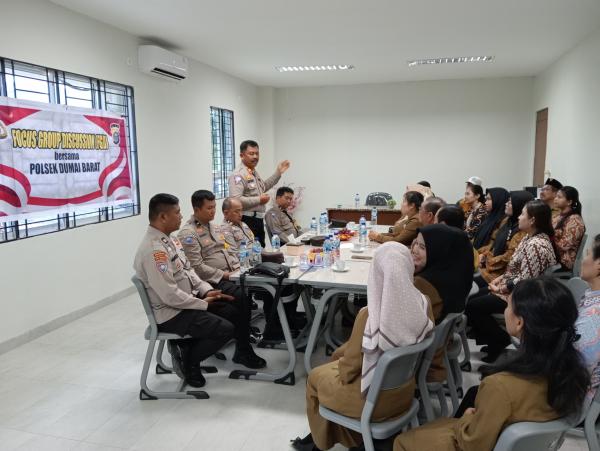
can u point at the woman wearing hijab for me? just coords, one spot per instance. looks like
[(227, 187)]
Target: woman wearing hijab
[(395, 316), (494, 258), (495, 203), (443, 258)]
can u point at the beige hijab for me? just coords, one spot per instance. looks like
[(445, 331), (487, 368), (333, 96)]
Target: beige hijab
[(397, 310)]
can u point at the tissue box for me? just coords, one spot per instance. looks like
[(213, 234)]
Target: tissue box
[(293, 249)]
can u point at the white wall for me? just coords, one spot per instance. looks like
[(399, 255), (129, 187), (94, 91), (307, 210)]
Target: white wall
[(49, 276), (570, 89), (344, 140)]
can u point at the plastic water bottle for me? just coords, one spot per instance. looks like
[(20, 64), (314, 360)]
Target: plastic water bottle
[(323, 224), (336, 246), (256, 253), (314, 226), (374, 216), (356, 200), (327, 253), (275, 243), (362, 234), (243, 256), (362, 221)]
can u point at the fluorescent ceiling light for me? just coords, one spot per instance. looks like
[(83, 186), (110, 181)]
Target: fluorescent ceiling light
[(328, 67), (446, 60)]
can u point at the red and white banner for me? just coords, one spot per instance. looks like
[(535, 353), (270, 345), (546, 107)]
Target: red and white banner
[(60, 158)]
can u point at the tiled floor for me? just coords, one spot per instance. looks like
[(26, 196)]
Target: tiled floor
[(77, 389)]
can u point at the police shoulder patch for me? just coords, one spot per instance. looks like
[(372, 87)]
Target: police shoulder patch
[(188, 240), (238, 179), (160, 256), (161, 267)]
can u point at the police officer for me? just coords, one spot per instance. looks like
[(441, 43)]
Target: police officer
[(206, 247), (279, 221), (182, 303), (246, 184), (232, 218)]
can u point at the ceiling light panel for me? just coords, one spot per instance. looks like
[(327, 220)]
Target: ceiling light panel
[(329, 67), (453, 60)]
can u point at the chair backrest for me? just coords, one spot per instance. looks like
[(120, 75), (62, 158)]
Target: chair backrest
[(145, 302), (474, 289), (579, 257), (550, 270), (441, 333), (529, 436), (577, 286), (397, 366)]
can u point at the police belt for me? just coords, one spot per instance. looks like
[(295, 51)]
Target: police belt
[(254, 214)]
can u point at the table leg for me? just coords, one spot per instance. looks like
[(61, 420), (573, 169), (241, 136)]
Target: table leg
[(286, 376)]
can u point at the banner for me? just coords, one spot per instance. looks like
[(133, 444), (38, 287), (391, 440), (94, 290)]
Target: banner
[(55, 157)]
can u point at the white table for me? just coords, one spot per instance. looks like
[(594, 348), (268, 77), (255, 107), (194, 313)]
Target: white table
[(334, 283)]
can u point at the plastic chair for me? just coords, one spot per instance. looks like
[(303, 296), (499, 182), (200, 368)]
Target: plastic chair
[(465, 364), (577, 286), (153, 335), (457, 343), (591, 429), (551, 270), (395, 368), (530, 436), (442, 333)]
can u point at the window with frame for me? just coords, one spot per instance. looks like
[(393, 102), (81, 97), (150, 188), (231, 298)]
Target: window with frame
[(223, 157), (26, 81)]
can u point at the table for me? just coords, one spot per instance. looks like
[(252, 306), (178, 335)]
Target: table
[(335, 283), (385, 215)]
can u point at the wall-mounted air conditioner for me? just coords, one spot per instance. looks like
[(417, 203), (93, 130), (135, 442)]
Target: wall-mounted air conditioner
[(158, 61)]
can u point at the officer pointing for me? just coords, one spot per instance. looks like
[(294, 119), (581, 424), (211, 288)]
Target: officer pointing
[(247, 185)]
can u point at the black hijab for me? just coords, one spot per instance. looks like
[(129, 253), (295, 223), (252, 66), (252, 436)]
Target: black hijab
[(449, 265), (518, 199), (484, 234)]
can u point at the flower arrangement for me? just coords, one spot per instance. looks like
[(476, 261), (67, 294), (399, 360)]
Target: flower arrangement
[(298, 195), (391, 203)]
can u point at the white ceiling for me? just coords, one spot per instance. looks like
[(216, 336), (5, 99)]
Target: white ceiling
[(248, 38)]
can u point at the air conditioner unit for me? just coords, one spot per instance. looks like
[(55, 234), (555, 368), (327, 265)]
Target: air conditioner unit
[(156, 60)]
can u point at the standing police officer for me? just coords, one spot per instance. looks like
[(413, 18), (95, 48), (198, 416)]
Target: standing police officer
[(246, 184)]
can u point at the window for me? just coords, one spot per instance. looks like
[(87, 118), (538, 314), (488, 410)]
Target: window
[(222, 149), (41, 84)]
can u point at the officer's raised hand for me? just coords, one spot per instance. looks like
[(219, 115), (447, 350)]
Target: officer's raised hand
[(283, 166)]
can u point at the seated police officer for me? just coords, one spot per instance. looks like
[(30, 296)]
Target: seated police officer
[(182, 303), (279, 221), (206, 247)]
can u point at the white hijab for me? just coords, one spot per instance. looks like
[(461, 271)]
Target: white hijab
[(397, 310)]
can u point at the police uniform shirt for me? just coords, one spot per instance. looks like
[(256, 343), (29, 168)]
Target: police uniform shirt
[(247, 185), (236, 234), (207, 248), (163, 268), (280, 222)]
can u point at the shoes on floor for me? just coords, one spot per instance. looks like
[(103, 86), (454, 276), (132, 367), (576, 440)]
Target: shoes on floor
[(249, 359)]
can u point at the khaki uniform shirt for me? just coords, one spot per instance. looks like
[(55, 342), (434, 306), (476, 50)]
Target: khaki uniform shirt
[(503, 399), (206, 247), (280, 222), (236, 234), (163, 268), (248, 185)]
